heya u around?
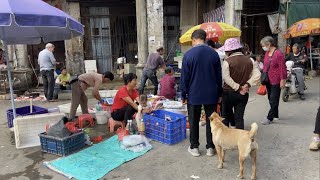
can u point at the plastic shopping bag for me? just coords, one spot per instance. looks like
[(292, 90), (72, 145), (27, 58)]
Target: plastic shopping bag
[(262, 90)]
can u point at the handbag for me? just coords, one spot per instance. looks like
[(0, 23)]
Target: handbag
[(262, 90), (264, 75)]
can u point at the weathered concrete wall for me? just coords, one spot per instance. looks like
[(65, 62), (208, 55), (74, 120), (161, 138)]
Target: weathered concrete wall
[(155, 24), (189, 18), (20, 67), (149, 30), (142, 35), (74, 46), (232, 16), (18, 55), (283, 26)]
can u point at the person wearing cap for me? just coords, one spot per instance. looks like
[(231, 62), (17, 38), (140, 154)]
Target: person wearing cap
[(154, 62), (80, 84), (47, 64), (200, 85), (239, 74)]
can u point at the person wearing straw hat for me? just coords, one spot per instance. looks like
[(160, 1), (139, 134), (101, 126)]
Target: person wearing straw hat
[(239, 74)]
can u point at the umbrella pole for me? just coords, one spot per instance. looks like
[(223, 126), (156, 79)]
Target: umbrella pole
[(311, 63), (10, 79)]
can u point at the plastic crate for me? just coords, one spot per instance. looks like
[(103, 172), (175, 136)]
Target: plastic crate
[(62, 146), (161, 130), (24, 111)]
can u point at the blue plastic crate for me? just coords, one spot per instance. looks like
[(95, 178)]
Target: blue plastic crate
[(62, 146), (24, 111), (167, 132)]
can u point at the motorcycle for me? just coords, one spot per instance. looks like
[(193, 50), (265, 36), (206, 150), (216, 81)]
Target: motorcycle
[(292, 85)]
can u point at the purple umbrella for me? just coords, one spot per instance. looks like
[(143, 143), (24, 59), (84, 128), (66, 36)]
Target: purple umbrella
[(33, 21)]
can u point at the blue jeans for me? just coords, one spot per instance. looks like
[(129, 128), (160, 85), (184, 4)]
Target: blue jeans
[(149, 74), (48, 83)]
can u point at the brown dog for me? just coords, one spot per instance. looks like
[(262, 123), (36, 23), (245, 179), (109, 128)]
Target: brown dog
[(227, 138)]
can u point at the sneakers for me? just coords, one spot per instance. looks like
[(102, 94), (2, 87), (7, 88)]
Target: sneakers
[(277, 119), (194, 151), (315, 144), (266, 121), (210, 152), (232, 127), (202, 123)]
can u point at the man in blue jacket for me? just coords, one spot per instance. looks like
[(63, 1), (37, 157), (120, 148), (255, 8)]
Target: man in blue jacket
[(200, 85)]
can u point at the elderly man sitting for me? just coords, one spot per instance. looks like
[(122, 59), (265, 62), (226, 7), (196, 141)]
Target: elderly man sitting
[(299, 58)]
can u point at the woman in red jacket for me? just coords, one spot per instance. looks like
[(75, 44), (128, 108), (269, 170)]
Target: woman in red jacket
[(277, 74), (167, 84)]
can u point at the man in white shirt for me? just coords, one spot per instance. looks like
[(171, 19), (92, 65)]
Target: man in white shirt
[(47, 62)]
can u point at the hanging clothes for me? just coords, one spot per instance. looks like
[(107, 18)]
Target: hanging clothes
[(216, 15)]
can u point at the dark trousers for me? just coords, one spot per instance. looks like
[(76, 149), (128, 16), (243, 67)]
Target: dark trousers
[(124, 113), (194, 113), (317, 125), (48, 83), (233, 108), (152, 75), (274, 92)]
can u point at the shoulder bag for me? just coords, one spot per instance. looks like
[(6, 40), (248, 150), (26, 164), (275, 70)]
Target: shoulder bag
[(264, 75)]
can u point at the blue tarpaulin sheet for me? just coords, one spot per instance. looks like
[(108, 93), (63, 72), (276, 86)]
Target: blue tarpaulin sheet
[(94, 162)]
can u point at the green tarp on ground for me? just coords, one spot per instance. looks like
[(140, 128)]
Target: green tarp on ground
[(300, 9)]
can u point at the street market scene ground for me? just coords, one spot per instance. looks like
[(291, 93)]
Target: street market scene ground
[(159, 89), (283, 149)]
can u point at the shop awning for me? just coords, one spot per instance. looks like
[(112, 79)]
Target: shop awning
[(299, 10)]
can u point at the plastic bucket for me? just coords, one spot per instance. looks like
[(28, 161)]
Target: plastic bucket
[(102, 117)]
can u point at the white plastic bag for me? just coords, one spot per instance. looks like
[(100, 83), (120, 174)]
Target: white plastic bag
[(135, 143)]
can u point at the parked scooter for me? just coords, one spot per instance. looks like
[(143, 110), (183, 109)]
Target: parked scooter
[(292, 86)]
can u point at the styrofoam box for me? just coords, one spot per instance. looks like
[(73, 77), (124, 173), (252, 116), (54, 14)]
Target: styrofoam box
[(108, 93), (91, 70), (183, 110), (65, 108), (180, 64), (178, 58), (90, 64), (27, 128)]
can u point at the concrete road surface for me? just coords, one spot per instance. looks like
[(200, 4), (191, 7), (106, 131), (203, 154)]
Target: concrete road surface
[(283, 149)]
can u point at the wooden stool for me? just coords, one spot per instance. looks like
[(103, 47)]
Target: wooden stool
[(85, 117), (112, 123)]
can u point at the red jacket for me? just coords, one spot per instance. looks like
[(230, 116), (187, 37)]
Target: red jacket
[(278, 69), (167, 89)]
